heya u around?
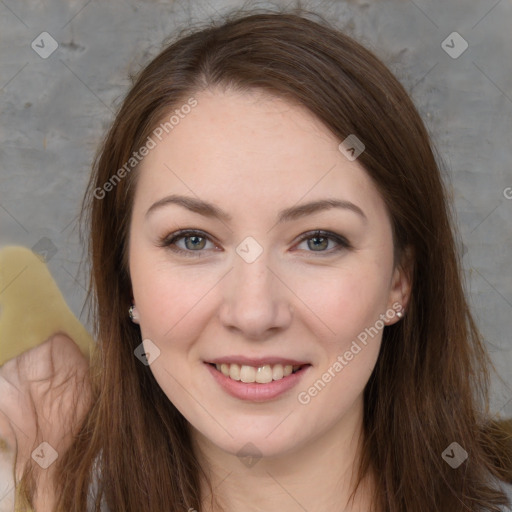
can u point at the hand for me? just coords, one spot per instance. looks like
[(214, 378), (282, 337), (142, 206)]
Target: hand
[(48, 383)]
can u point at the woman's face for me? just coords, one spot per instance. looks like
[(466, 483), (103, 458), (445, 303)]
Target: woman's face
[(254, 285)]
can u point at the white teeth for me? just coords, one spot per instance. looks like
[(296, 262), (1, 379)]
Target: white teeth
[(277, 372), (247, 373), (234, 371), (262, 375)]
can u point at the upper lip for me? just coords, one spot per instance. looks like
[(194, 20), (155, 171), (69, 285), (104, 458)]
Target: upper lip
[(256, 361)]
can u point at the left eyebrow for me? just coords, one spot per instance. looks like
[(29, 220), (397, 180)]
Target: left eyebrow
[(294, 212), (302, 210)]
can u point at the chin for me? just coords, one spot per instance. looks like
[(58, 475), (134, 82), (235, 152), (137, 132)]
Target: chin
[(260, 443)]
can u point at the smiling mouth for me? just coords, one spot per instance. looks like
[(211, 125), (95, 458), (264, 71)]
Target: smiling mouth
[(261, 374)]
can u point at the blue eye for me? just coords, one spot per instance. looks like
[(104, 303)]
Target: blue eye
[(320, 241), (195, 241)]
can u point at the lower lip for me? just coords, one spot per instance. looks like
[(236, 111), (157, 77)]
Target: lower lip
[(254, 391)]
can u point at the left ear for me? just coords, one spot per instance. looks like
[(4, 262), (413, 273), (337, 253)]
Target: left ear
[(401, 284)]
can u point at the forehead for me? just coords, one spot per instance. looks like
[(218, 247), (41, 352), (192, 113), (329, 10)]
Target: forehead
[(243, 147)]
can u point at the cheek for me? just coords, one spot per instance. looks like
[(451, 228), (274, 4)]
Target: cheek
[(345, 300), (348, 305), (169, 299)]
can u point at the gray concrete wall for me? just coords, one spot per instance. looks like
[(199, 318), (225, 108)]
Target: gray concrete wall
[(55, 108)]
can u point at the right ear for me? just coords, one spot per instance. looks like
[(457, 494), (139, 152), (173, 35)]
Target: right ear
[(401, 286)]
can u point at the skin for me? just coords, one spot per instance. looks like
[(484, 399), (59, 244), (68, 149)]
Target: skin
[(253, 155), (53, 378)]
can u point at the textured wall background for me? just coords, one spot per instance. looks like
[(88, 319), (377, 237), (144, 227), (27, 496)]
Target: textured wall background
[(56, 103)]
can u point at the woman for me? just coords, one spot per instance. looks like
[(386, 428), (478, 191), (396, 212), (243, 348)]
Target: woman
[(281, 323)]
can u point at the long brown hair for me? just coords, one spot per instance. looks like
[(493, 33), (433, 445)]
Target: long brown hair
[(430, 384)]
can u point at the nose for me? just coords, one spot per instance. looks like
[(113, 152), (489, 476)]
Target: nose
[(256, 302)]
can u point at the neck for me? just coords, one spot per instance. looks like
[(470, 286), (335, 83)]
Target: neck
[(317, 476)]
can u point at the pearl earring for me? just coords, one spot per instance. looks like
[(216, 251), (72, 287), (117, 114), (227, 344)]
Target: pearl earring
[(132, 312)]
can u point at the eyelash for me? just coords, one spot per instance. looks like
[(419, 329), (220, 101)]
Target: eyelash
[(169, 240)]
